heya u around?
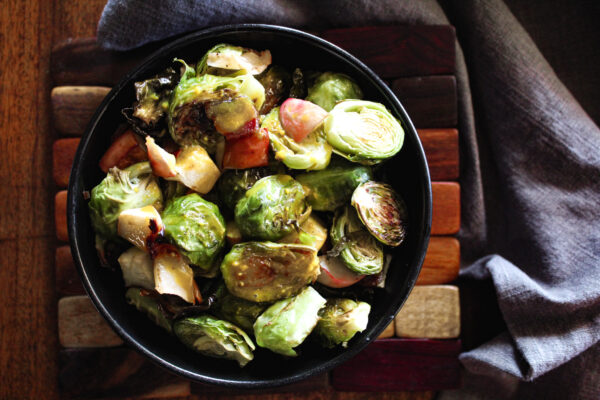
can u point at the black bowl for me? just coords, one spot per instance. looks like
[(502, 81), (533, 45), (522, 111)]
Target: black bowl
[(407, 171)]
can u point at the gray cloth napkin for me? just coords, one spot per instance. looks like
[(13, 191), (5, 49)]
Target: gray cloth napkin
[(530, 177)]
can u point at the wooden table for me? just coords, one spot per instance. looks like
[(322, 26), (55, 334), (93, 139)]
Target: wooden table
[(28, 333)]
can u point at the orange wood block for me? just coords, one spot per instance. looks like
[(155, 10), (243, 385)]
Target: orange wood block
[(60, 215), (441, 151), (442, 261), (63, 153), (446, 208)]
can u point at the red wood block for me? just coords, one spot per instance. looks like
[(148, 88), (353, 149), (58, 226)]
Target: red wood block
[(442, 261), (446, 208), (60, 216), (395, 51), (401, 364), (63, 153), (441, 150), (67, 279)]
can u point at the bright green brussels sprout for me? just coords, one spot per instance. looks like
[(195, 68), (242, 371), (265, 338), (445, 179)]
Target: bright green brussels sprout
[(356, 247), (197, 228), (148, 306), (271, 208), (133, 187), (215, 338), (363, 131), (234, 183), (286, 324), (238, 311), (277, 81), (332, 187), (224, 59), (312, 153), (265, 271), (340, 320), (382, 211), (331, 87)]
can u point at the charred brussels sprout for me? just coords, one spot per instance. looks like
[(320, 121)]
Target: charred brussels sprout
[(330, 87), (277, 82), (312, 153), (298, 89), (238, 311), (197, 227), (272, 208), (148, 306), (234, 183), (382, 211), (340, 320), (363, 131), (224, 59), (215, 338), (332, 187), (356, 247), (265, 271), (133, 187), (286, 324)]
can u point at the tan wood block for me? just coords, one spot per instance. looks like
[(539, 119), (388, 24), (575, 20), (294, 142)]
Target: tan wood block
[(63, 153), (74, 106), (389, 331), (431, 312), (60, 215), (442, 261), (80, 325), (446, 208)]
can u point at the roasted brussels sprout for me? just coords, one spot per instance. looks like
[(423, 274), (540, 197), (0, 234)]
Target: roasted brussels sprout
[(242, 313), (271, 208), (363, 131), (277, 82), (265, 271), (197, 227), (332, 187), (215, 338), (224, 59), (382, 211), (286, 324), (298, 89), (356, 247), (311, 154), (331, 87), (234, 183), (340, 320), (311, 233), (133, 187), (148, 306), (137, 268)]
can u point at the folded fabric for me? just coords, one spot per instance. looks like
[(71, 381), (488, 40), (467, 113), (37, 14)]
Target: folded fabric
[(530, 174)]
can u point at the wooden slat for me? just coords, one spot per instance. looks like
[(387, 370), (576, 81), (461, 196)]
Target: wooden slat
[(316, 383), (430, 101), (63, 153), (67, 280), (442, 261), (390, 331), (60, 216), (115, 372), (401, 364), (80, 324), (446, 208), (441, 151), (395, 51), (431, 311), (74, 106)]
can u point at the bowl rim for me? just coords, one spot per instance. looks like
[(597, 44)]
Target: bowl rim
[(75, 186)]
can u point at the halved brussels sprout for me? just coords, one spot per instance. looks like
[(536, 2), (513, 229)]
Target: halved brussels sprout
[(233, 184), (238, 311), (311, 233), (332, 187), (363, 131), (331, 87), (356, 247), (340, 320), (311, 154), (382, 211), (215, 338), (277, 81), (197, 227), (265, 271), (148, 306), (272, 208), (286, 324), (133, 187), (137, 268), (226, 59)]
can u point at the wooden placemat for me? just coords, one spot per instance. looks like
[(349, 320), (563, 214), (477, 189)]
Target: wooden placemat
[(417, 352)]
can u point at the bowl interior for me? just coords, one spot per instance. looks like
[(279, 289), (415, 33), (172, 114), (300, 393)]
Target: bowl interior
[(407, 173)]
